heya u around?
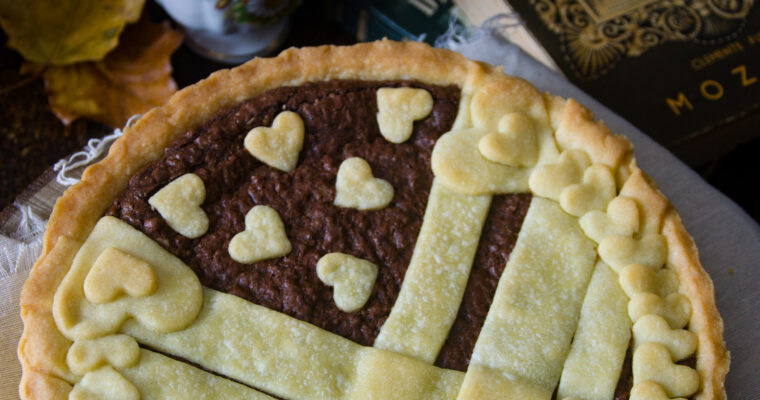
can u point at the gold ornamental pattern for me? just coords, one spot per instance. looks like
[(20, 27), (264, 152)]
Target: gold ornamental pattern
[(595, 35)]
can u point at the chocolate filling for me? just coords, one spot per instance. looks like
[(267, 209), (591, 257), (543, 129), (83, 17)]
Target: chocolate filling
[(340, 122)]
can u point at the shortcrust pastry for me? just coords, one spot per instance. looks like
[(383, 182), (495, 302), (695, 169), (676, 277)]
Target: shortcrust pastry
[(384, 220)]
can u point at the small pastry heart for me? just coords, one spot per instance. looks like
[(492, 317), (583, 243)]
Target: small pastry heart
[(550, 180), (620, 251), (116, 273), (674, 308), (595, 193), (398, 108), (263, 238), (621, 218), (352, 279), (279, 145), (86, 355), (651, 362), (637, 278), (179, 204), (357, 188), (649, 390), (513, 144), (653, 328), (104, 383)]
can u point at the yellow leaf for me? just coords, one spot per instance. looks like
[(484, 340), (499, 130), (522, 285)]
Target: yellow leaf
[(132, 79), (62, 32)]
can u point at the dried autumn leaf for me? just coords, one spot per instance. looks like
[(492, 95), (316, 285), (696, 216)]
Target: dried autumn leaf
[(61, 32), (130, 80)]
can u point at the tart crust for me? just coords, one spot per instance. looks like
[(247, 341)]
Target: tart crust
[(42, 349)]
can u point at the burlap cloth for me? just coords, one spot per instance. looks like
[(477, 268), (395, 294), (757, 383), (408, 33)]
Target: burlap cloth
[(728, 239)]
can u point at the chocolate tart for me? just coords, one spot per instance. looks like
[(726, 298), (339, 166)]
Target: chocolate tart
[(385, 220)]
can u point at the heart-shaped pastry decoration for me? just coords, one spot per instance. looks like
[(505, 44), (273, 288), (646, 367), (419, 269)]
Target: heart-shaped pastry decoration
[(550, 180), (653, 328), (352, 279), (649, 390), (674, 308), (87, 355), (637, 278), (651, 362), (279, 145), (595, 193), (356, 187), (398, 108), (620, 251), (105, 383), (621, 218), (116, 273), (263, 238), (513, 144), (179, 204)]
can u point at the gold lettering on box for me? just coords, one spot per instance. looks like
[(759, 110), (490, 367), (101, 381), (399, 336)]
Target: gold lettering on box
[(742, 72), (679, 103), (711, 94), (753, 38)]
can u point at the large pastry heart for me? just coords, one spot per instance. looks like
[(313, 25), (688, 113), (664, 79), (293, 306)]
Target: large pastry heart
[(513, 144), (179, 204), (352, 279), (398, 108), (279, 145), (263, 238), (116, 273), (357, 188)]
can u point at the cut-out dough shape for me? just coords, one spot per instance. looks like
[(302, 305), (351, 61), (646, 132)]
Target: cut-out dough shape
[(85, 355), (352, 279), (263, 238), (595, 193), (675, 308), (104, 383), (179, 204), (637, 278), (514, 143), (550, 180), (653, 328), (116, 273), (649, 390), (279, 145), (620, 251), (651, 362), (356, 187), (398, 108), (458, 163), (621, 218), (173, 306)]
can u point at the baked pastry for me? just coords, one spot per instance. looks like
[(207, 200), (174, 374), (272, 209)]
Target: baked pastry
[(384, 220)]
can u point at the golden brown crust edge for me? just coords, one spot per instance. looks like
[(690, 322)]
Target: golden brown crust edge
[(45, 373)]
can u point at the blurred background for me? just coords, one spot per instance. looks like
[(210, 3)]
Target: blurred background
[(686, 73)]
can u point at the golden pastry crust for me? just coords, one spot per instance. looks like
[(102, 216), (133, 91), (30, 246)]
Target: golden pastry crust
[(42, 348)]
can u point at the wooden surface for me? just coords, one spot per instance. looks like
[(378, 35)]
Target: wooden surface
[(32, 139)]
